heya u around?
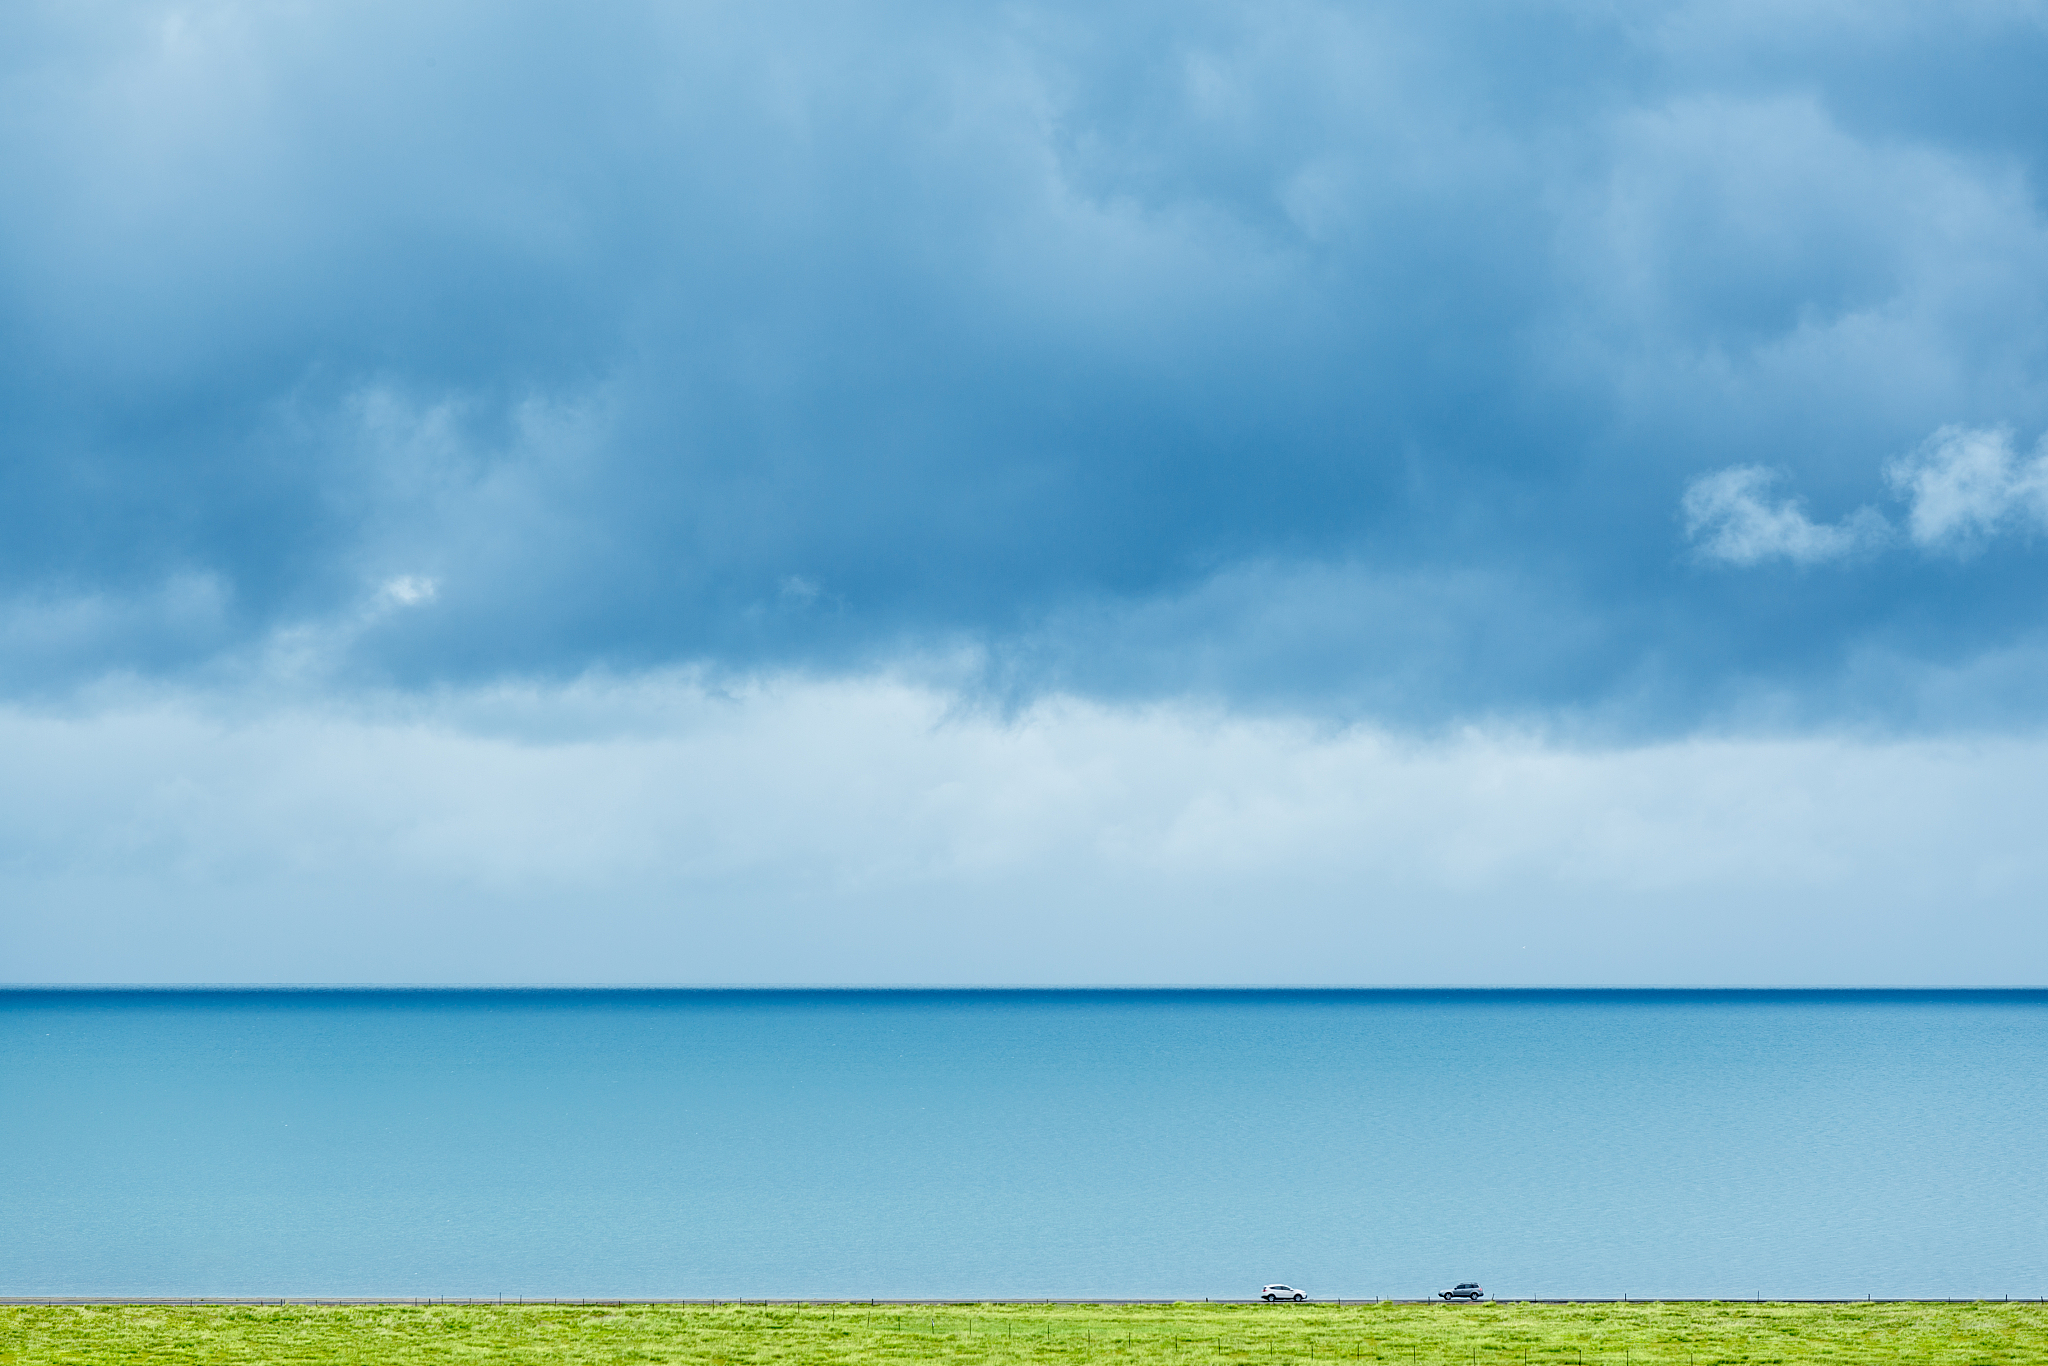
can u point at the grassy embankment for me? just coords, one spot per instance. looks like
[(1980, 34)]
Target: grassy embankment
[(1978, 1334)]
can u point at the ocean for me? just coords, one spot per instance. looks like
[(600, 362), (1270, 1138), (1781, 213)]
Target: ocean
[(1004, 1144)]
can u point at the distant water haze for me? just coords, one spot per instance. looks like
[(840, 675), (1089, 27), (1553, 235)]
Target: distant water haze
[(1182, 1144)]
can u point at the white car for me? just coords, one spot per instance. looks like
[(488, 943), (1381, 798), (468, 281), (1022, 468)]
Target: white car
[(1464, 1290), (1280, 1292)]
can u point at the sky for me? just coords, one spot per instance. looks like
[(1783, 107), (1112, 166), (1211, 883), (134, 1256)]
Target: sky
[(1039, 493)]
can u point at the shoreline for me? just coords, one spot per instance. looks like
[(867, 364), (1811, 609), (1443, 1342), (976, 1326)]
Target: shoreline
[(515, 1301)]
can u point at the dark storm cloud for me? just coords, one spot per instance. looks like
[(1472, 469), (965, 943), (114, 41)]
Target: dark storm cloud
[(1344, 357)]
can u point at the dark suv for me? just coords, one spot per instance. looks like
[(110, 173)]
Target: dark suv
[(1464, 1290)]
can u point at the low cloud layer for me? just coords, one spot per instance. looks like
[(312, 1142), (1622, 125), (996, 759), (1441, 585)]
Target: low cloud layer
[(867, 830)]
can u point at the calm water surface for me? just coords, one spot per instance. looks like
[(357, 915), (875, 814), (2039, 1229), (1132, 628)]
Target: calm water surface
[(1162, 1144)]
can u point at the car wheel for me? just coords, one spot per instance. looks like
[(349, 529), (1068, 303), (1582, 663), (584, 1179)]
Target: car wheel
[(1299, 1298)]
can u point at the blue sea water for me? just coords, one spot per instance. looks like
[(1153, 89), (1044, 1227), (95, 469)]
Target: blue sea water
[(1008, 1143)]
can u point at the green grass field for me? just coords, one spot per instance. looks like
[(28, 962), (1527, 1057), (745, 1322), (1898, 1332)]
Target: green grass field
[(1193, 1334)]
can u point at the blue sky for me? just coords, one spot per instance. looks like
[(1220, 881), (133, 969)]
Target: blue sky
[(1649, 397)]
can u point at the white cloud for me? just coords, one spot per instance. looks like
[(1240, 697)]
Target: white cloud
[(410, 590), (867, 831), (1962, 487), (1966, 484), (1728, 517)]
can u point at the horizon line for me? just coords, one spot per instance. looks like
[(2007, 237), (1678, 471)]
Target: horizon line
[(1020, 987)]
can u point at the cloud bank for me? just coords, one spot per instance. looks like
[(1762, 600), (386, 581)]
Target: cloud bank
[(738, 337), (659, 830)]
